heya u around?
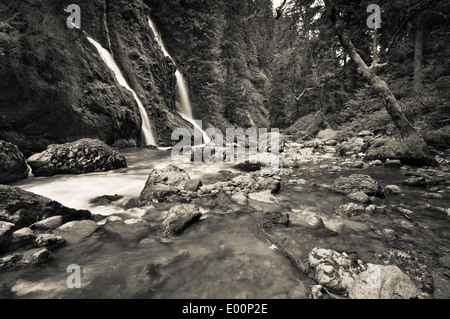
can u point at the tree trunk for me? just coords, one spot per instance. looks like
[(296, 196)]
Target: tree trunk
[(418, 54), (389, 100)]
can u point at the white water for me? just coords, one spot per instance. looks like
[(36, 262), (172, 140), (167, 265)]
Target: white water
[(184, 107), (109, 60)]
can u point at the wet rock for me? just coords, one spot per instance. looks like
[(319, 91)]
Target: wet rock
[(76, 231), (20, 238), (393, 163), (13, 166), (193, 185), (24, 208), (163, 183), (357, 183), (27, 258), (271, 219), (415, 182), (249, 167), (6, 231), (383, 282), (128, 230), (376, 163), (365, 133), (48, 223), (269, 184), (305, 218), (132, 203), (81, 157), (334, 270), (240, 199), (388, 234), (359, 197), (179, 219), (317, 292), (49, 240), (264, 197), (415, 267), (105, 200), (329, 149), (349, 210), (393, 189), (411, 151), (407, 226), (433, 195)]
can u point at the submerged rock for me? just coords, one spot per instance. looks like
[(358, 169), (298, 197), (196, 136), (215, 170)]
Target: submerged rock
[(415, 182), (128, 230), (357, 183), (49, 240), (76, 231), (179, 219), (105, 200), (349, 210), (163, 183), (13, 166)]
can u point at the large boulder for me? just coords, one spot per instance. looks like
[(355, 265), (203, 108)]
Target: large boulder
[(83, 156), (410, 151), (13, 166), (383, 282), (357, 183), (24, 208), (163, 183), (180, 218), (351, 277)]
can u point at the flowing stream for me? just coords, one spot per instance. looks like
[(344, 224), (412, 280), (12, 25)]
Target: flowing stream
[(219, 257)]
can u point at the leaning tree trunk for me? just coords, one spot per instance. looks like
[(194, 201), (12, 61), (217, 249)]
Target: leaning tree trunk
[(389, 100)]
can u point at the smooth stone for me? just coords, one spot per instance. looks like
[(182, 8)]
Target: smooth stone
[(76, 231), (305, 218), (50, 223), (179, 218)]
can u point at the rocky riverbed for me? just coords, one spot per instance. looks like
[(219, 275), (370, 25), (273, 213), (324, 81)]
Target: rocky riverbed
[(328, 225)]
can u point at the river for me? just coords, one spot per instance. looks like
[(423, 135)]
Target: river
[(219, 257)]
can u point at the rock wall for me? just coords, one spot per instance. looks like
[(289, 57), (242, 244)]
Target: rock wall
[(54, 87)]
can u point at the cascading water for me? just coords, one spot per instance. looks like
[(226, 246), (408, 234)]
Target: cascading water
[(184, 107), (109, 60)]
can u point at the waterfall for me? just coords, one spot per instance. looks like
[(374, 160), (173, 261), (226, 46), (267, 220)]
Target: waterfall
[(108, 59), (184, 107)]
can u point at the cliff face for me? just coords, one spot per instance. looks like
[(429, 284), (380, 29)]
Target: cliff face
[(54, 87)]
